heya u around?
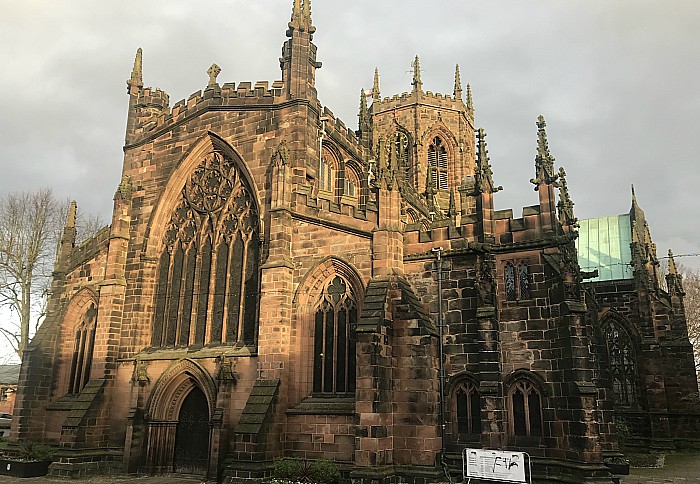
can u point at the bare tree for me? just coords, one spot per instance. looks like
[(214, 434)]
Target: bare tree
[(691, 286), (30, 226)]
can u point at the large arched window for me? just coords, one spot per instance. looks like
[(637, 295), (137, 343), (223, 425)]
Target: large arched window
[(437, 162), (525, 405), (82, 351), (621, 362), (466, 408), (335, 320), (208, 271)]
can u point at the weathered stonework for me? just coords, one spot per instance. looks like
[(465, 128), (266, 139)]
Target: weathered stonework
[(268, 287)]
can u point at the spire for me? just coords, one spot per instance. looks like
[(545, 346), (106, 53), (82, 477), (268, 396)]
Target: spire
[(672, 270), (136, 79), (565, 207), (417, 83), (483, 174), (470, 104), (458, 84), (375, 87), (544, 161), (363, 116), (72, 214)]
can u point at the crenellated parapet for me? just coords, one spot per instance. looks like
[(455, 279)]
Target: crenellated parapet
[(439, 100), (153, 114)]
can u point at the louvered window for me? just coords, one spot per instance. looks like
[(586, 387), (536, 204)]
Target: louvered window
[(437, 161)]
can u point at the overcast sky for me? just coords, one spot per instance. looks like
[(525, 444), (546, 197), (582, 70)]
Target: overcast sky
[(616, 81)]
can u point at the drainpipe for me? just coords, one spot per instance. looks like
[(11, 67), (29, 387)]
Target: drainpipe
[(441, 371)]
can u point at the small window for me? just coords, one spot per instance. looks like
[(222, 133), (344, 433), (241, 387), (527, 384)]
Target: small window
[(509, 275), (402, 154), (437, 161), (467, 409), (350, 187), (517, 281), (326, 176), (526, 410)]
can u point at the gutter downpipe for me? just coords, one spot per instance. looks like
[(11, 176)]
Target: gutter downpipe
[(441, 367)]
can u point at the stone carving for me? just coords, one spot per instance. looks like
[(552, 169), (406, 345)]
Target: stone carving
[(486, 280), (226, 370), (213, 72), (281, 155), (140, 374), (544, 161)]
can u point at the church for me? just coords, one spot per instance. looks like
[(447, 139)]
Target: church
[(275, 283)]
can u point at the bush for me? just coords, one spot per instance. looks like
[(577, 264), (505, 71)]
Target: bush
[(324, 472), (35, 451), (288, 468)]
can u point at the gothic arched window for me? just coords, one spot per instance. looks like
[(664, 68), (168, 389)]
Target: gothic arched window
[(437, 162), (335, 321), (523, 282), (208, 271), (403, 156), (621, 362), (525, 409), (82, 351), (351, 184), (467, 409), (327, 172), (509, 279)]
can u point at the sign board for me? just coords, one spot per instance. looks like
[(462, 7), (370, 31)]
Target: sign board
[(494, 465)]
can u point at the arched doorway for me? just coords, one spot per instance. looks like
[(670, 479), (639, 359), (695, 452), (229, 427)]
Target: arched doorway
[(192, 434)]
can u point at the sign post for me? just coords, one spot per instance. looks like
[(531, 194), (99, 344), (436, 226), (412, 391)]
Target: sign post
[(496, 465)]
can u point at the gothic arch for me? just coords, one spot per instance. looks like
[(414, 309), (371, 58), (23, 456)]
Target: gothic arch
[(170, 197), (174, 384), (621, 343), (76, 309), (310, 286)]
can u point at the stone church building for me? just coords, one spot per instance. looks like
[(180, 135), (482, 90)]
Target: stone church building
[(274, 283)]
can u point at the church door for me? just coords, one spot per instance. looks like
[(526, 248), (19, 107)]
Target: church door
[(192, 435)]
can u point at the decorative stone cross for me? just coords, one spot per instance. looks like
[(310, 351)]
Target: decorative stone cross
[(213, 71)]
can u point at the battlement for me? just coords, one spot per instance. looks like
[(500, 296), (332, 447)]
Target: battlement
[(446, 101), (338, 127), (153, 112)]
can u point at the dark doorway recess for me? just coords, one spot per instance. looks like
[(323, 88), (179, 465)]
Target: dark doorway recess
[(192, 435)]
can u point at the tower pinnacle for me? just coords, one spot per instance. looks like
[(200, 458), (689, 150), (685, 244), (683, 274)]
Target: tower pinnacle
[(417, 83), (301, 16), (375, 87), (458, 84), (544, 161), (136, 80), (470, 103)]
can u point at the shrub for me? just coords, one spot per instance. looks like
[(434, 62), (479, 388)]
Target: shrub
[(288, 468), (324, 472), (35, 451)]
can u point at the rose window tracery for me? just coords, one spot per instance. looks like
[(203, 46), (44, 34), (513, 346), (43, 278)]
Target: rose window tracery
[(208, 272)]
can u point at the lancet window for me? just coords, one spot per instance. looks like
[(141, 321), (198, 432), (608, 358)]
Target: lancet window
[(403, 156), (516, 279), (467, 409), (525, 409), (621, 363), (208, 279), (327, 172), (82, 351), (335, 321), (437, 161)]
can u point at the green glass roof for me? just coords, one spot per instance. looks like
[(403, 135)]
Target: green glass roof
[(604, 244)]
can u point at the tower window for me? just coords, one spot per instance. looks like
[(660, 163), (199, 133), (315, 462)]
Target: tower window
[(516, 278), (437, 162)]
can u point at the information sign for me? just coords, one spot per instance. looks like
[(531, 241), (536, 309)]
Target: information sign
[(494, 465)]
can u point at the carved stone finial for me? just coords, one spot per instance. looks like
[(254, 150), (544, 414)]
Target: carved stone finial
[(458, 84), (72, 213), (213, 72), (470, 103), (452, 209), (483, 174), (544, 161), (565, 207), (376, 96), (363, 116), (417, 83), (136, 79), (674, 280), (671, 263)]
